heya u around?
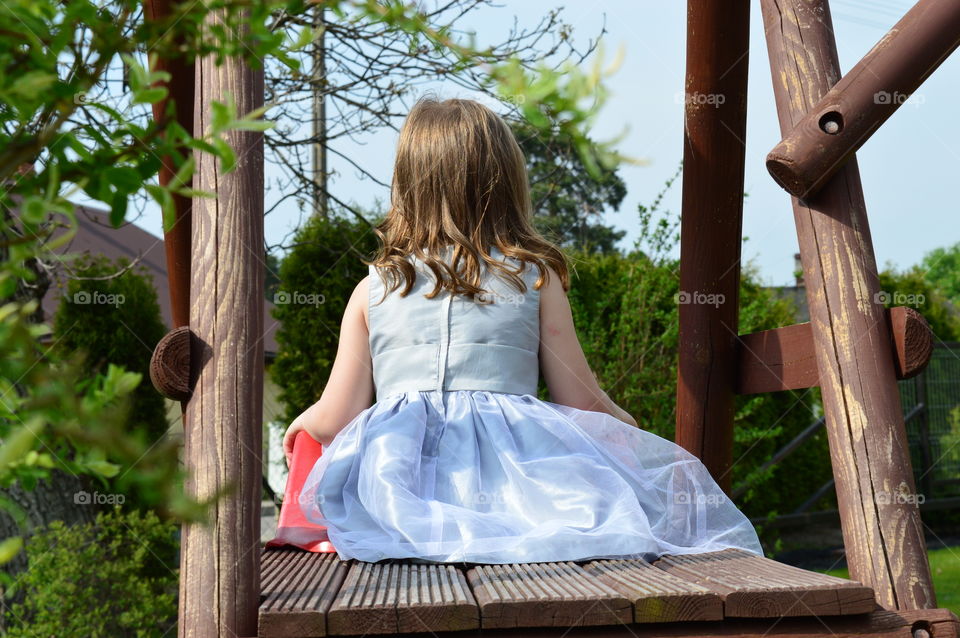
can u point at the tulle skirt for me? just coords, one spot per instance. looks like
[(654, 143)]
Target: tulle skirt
[(486, 477)]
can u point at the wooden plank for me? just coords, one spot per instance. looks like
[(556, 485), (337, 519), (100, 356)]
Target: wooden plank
[(657, 595), (297, 590), (882, 530), (545, 595), (845, 118), (786, 359), (881, 623), (394, 597), (715, 113), (756, 587)]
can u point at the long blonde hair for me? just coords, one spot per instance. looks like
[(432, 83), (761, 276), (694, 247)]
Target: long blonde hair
[(460, 181)]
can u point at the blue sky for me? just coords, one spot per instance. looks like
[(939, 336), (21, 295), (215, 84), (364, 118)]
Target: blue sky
[(909, 167)]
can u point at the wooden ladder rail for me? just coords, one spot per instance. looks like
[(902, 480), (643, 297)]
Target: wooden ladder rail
[(883, 537)]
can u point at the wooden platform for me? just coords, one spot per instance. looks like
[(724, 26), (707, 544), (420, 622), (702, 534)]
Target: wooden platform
[(308, 595)]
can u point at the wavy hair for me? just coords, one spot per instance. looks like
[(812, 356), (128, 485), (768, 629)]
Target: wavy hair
[(460, 183)]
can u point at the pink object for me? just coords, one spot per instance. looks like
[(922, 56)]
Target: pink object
[(293, 528)]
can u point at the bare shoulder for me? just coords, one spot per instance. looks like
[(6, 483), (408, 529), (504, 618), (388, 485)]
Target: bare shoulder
[(358, 305), (553, 297)]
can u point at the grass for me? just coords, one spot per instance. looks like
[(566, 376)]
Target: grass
[(945, 566)]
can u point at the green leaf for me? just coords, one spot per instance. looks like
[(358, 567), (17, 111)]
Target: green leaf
[(220, 117), (15, 446), (252, 125), (33, 210), (118, 208), (228, 159), (149, 96), (125, 178), (9, 548), (103, 468)]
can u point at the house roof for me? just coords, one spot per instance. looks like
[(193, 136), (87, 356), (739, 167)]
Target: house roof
[(96, 236)]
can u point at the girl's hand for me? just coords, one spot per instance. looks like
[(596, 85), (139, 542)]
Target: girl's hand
[(290, 437)]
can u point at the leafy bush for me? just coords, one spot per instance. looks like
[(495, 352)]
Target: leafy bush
[(316, 279), (114, 578), (115, 320)]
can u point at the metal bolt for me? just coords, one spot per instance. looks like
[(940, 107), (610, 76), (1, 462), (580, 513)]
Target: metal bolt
[(831, 127)]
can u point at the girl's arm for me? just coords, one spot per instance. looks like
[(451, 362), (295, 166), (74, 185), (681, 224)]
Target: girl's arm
[(349, 390), (564, 366)]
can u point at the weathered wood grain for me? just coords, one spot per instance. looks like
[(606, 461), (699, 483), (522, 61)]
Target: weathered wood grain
[(297, 590), (657, 595), (545, 595), (397, 597), (756, 587), (864, 98), (785, 358), (881, 524), (170, 364), (220, 562), (715, 97), (938, 623)]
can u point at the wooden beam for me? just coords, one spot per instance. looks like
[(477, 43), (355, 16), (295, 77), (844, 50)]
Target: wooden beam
[(930, 623), (882, 531), (710, 234), (845, 118), (785, 358), (219, 562), (176, 241)]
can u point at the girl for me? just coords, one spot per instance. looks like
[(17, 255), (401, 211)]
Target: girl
[(457, 460)]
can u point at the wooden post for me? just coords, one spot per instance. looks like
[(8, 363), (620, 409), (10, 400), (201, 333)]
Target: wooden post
[(882, 531), (220, 563), (176, 241), (834, 128), (713, 157)]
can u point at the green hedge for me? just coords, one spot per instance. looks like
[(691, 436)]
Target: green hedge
[(114, 578), (316, 279), (115, 320)]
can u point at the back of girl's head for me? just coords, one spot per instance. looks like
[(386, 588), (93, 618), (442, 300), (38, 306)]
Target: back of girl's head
[(460, 183)]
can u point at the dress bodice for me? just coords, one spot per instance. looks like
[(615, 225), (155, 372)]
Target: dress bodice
[(451, 342)]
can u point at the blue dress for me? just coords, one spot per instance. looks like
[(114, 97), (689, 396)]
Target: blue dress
[(459, 461)]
